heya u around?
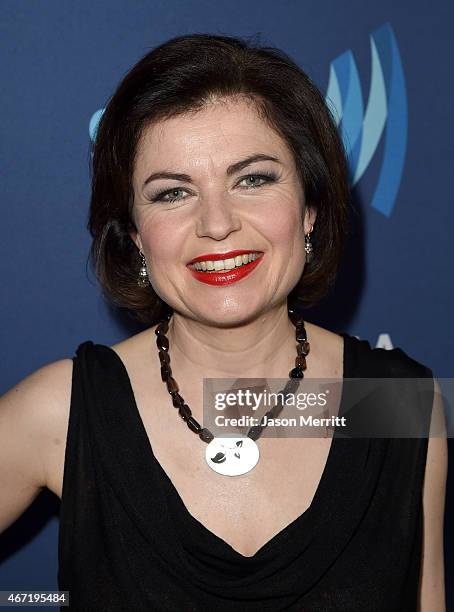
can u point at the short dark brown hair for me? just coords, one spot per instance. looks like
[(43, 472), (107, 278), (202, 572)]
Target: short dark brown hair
[(183, 75)]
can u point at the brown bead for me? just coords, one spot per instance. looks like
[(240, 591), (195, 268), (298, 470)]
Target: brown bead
[(282, 398), (193, 425), (166, 372), (291, 386), (206, 435), (275, 411), (268, 414), (172, 385), (300, 362), (164, 357), (301, 335), (177, 400), (162, 343), (162, 328), (302, 349), (185, 412), (295, 318), (254, 432), (285, 398), (296, 373)]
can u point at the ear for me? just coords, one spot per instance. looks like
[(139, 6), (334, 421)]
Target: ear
[(135, 237), (310, 215)]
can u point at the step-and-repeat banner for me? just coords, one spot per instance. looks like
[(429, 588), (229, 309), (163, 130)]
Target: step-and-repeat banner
[(384, 70)]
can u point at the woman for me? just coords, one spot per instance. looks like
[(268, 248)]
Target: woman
[(219, 201)]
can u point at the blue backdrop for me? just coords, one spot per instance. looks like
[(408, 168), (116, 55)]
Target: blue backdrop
[(384, 68)]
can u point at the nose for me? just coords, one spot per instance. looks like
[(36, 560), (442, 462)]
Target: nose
[(217, 218)]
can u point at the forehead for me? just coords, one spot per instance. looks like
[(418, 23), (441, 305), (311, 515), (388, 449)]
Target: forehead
[(216, 135)]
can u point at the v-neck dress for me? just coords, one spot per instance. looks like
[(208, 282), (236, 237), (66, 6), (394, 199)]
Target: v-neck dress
[(128, 543)]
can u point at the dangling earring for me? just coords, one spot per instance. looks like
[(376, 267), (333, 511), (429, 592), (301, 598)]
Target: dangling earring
[(308, 246), (143, 280)]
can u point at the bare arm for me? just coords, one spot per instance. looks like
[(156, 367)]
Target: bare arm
[(32, 415), (432, 581)]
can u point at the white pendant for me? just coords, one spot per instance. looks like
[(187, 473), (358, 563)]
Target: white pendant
[(232, 456)]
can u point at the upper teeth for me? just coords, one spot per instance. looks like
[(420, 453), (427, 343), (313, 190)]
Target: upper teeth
[(226, 264)]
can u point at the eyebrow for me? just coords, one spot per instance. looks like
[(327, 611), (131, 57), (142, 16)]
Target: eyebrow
[(232, 169)]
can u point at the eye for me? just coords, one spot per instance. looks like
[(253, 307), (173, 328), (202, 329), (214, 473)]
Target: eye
[(253, 180), (173, 193)]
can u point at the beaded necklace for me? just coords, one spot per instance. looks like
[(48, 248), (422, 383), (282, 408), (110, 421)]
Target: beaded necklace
[(238, 455)]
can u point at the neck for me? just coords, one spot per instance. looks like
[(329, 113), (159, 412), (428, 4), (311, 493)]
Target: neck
[(263, 347)]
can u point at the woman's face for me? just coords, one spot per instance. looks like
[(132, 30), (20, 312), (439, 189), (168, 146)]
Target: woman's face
[(222, 203)]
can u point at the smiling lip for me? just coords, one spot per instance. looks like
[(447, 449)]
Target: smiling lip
[(226, 277), (218, 256)]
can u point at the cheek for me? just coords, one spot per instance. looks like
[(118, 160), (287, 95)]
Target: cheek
[(160, 238), (282, 224)]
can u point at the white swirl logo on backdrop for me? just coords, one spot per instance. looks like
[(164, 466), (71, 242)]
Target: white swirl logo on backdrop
[(385, 116)]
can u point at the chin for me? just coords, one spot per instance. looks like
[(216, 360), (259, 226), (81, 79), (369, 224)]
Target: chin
[(228, 317)]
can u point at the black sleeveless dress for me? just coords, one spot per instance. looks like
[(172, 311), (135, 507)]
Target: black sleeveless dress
[(128, 543)]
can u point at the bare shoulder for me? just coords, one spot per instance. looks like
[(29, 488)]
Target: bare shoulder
[(34, 417), (133, 350), (39, 404), (137, 341)]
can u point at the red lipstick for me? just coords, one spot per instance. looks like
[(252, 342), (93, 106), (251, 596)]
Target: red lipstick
[(217, 256), (226, 277)]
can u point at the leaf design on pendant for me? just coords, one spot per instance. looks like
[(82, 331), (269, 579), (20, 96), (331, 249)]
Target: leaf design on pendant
[(218, 458), (239, 443), (237, 455)]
